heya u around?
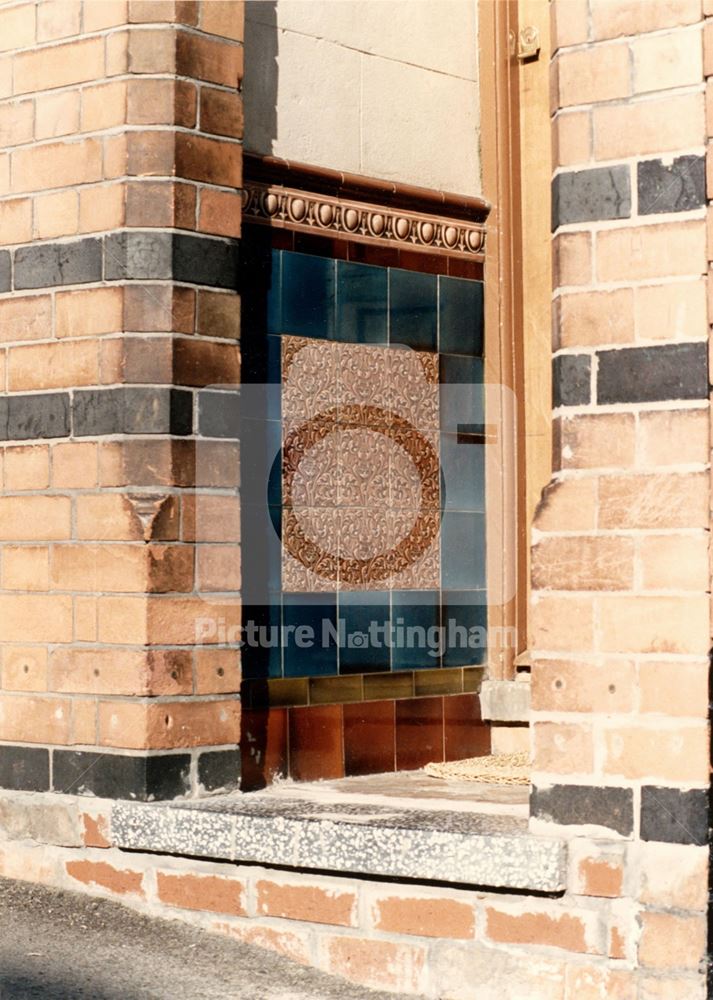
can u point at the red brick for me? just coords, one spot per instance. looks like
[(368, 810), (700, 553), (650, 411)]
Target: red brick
[(424, 916), (378, 964), (95, 830), (537, 928), (672, 942), (202, 892), (311, 903), (121, 881)]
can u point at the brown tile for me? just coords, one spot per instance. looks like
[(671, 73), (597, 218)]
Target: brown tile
[(419, 732), (466, 735), (263, 747), (369, 738), (316, 743), (321, 246), (446, 680), (335, 690), (473, 678), (388, 685)]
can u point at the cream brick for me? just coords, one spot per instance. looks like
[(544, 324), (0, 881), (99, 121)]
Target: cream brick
[(662, 62)]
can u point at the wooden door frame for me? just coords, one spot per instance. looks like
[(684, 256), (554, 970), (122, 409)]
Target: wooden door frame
[(516, 164)]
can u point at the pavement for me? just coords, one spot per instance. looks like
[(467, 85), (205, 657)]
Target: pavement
[(58, 945)]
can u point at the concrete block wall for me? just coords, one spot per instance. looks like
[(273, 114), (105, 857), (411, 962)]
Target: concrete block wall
[(119, 212)]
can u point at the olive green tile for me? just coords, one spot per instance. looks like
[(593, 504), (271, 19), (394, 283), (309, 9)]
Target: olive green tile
[(335, 690), (396, 685), (446, 680), (289, 691), (473, 678)]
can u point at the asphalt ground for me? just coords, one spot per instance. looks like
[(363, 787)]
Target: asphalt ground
[(66, 946)]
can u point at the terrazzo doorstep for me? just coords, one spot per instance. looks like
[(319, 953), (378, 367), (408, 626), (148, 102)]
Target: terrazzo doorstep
[(474, 849)]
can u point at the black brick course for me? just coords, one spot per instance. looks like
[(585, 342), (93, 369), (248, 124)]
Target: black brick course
[(679, 187), (653, 374), (590, 195), (612, 808)]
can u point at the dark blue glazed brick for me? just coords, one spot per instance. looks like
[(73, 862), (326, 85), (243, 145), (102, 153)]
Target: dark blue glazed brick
[(44, 415), (132, 410), (120, 776), (589, 195), (51, 264), (24, 769), (413, 309), (219, 770), (674, 816), (5, 271), (676, 187), (653, 374), (460, 316), (138, 255), (362, 292), (204, 261), (571, 380), (218, 414), (585, 805)]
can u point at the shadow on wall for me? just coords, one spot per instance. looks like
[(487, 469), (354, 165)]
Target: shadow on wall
[(261, 73)]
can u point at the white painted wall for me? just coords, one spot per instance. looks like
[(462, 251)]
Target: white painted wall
[(386, 88)]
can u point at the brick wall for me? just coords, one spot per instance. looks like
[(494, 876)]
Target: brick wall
[(620, 548), (118, 211)]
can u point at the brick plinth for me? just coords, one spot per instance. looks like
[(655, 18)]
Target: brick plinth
[(120, 211)]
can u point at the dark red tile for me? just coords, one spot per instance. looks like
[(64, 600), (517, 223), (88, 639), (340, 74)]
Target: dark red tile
[(369, 737), (321, 246), (263, 747), (371, 253), (466, 734), (282, 239), (421, 260), (459, 267), (316, 743), (419, 732)]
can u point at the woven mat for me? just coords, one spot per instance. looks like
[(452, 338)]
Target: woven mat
[(495, 769)]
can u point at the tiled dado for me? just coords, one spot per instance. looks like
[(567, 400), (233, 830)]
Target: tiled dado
[(374, 509), (331, 741)]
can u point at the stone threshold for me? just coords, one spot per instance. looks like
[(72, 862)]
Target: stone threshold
[(349, 836)]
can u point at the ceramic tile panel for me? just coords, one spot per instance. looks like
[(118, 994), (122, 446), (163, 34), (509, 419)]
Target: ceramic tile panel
[(374, 468)]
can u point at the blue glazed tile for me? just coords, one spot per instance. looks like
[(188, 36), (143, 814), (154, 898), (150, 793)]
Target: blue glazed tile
[(261, 552), (465, 621), (460, 316), (362, 292), (413, 309), (261, 654), (463, 473), (307, 295), (260, 447), (463, 551), (462, 400), (365, 648), (274, 294), (418, 610), (311, 652), (260, 291)]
